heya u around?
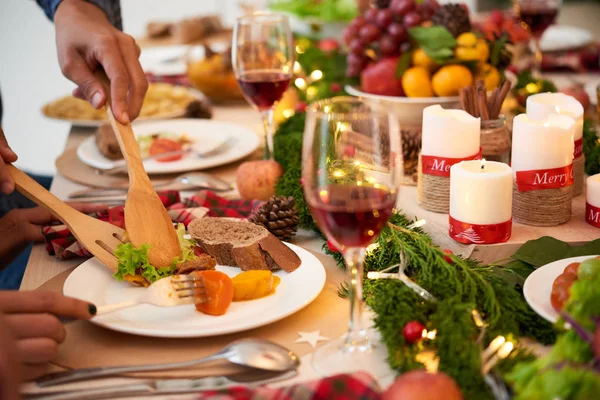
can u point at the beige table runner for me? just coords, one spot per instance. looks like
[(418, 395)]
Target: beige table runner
[(88, 345)]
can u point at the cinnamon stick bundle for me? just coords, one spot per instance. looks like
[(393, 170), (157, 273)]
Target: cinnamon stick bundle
[(475, 101)]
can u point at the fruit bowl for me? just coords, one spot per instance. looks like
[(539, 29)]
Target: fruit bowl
[(408, 109)]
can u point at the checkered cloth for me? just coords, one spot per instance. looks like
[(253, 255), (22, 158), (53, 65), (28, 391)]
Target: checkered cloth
[(60, 241), (180, 80), (357, 386)]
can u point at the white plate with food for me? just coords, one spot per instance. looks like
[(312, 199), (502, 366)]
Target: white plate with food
[(162, 101), (563, 37), (539, 284), (94, 282), (204, 143)]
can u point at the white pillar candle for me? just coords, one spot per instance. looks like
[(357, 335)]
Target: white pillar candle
[(592, 211), (449, 133), (542, 144), (540, 106), (480, 201)]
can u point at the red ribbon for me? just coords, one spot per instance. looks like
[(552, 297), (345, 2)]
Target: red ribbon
[(542, 179), (578, 148), (479, 234), (592, 215), (440, 166)]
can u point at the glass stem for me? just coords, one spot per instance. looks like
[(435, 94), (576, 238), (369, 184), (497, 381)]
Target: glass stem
[(536, 70), (356, 338), (267, 116)]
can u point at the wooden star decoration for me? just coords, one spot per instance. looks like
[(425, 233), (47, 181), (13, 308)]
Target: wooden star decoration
[(311, 338)]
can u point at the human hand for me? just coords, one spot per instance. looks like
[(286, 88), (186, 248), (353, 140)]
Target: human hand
[(10, 373), (7, 183), (22, 226), (33, 319), (86, 40)]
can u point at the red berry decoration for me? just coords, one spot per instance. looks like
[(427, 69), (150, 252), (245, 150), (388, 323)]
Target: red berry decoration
[(350, 151), (335, 87), (332, 247), (301, 106), (447, 258), (413, 331)]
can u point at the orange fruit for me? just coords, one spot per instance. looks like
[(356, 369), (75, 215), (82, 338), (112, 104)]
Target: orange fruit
[(449, 79), (490, 76), (417, 83), (421, 59)]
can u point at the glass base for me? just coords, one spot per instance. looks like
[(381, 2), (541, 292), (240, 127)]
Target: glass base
[(336, 357)]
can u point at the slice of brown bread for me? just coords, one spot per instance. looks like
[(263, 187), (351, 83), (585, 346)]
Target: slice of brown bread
[(241, 243)]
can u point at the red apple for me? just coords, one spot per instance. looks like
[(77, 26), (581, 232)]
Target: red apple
[(328, 45), (256, 179), (421, 385), (579, 94), (380, 78)]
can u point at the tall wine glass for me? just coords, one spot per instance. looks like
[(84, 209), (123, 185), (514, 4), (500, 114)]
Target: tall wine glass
[(351, 171), (263, 60), (537, 16)]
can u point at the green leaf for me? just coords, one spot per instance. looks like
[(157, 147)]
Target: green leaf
[(589, 249), (514, 272), (440, 56), (497, 47), (403, 64), (433, 37), (542, 251)]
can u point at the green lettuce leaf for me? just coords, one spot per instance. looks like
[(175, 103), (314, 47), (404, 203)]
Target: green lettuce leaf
[(134, 261), (187, 246)]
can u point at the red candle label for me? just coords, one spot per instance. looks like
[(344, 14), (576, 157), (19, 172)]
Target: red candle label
[(440, 166), (592, 215), (541, 179), (578, 148), (479, 234)]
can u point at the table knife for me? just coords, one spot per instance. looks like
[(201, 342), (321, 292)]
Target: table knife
[(168, 386)]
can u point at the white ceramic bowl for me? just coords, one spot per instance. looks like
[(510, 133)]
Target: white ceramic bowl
[(408, 109)]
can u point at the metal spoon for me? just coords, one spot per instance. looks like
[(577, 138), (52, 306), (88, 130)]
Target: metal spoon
[(254, 353), (187, 181)]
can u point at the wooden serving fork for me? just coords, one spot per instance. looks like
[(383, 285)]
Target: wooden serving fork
[(146, 218), (98, 237)]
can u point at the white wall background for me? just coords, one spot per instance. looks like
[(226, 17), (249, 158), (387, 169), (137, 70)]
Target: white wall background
[(30, 76)]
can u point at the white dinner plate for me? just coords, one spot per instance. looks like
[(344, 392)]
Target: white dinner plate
[(562, 37), (237, 140), (93, 282), (538, 286), (172, 60)]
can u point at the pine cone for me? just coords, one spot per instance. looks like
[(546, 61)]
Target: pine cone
[(198, 109), (454, 17), (279, 215), (411, 146), (380, 3)]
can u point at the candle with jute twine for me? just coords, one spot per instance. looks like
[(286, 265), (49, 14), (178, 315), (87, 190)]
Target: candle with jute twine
[(542, 160), (448, 137), (539, 106), (592, 201)]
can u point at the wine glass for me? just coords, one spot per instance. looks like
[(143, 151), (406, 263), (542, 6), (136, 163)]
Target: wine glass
[(263, 60), (537, 16), (351, 171)]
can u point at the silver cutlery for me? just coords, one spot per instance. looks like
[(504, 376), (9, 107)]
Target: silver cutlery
[(187, 181), (170, 386), (255, 353)]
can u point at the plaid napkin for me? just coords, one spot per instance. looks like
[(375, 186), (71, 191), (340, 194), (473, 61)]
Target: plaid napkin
[(60, 241), (357, 386), (180, 80)]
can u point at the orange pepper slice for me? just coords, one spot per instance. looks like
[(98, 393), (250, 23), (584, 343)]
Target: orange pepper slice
[(218, 292)]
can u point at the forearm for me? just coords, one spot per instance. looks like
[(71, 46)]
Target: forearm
[(112, 9)]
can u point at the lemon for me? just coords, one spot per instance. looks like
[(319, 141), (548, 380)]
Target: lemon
[(421, 59), (467, 39), (490, 76), (416, 82), (483, 50), (449, 79), (466, 53)]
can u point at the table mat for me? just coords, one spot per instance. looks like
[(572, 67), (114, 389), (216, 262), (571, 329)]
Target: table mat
[(72, 168), (88, 345)]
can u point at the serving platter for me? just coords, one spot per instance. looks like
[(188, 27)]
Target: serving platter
[(538, 286), (93, 282), (230, 143)]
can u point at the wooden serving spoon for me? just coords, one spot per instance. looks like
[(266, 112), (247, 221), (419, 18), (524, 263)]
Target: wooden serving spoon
[(146, 219)]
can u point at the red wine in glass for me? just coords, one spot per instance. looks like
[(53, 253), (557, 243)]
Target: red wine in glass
[(538, 17), (264, 87), (350, 215)]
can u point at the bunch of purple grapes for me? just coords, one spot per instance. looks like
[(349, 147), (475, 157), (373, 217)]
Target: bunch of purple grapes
[(384, 30)]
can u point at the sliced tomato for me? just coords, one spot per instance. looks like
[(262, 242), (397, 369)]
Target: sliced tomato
[(161, 145), (572, 269), (217, 294), (559, 296), (564, 279)]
